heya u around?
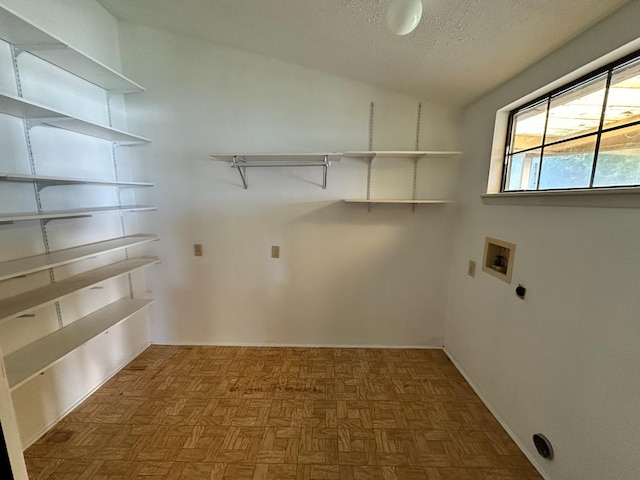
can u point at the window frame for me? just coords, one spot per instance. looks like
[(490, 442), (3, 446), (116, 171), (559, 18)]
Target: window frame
[(546, 98)]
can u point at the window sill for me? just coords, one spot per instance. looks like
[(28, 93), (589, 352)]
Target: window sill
[(601, 197)]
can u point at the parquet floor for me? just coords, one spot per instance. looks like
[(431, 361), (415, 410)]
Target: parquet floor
[(281, 413)]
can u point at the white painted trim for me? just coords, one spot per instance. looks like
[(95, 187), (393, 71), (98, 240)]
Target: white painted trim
[(48, 427), (501, 421), (296, 345), (621, 197), (502, 115)]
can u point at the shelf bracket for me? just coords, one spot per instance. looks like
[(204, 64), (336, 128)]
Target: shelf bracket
[(125, 143), (242, 164), (47, 220), (41, 185), (18, 49), (235, 163), (45, 121)]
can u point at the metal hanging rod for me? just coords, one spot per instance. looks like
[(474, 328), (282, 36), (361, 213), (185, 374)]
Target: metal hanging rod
[(239, 162), (244, 161)]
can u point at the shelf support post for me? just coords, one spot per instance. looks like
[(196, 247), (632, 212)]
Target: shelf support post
[(415, 182), (326, 169), (369, 168), (27, 125), (415, 160), (116, 176)]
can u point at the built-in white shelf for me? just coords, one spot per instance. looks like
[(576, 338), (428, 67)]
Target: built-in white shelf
[(38, 114), (242, 161), (398, 200), (37, 263), (415, 155), (12, 307), (27, 37), (76, 213), (45, 181), (400, 154), (24, 364)]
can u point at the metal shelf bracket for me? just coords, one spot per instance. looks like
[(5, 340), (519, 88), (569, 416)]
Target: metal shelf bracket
[(241, 163), (47, 220), (18, 49)]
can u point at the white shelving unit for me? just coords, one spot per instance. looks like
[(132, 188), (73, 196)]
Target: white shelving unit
[(12, 307), (38, 263), (242, 161), (24, 364), (26, 37), (43, 181), (416, 156), (75, 213), (39, 115), (21, 365)]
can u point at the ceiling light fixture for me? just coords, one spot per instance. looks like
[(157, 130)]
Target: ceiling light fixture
[(403, 16)]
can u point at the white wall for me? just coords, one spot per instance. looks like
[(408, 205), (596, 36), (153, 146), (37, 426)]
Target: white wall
[(564, 361), (345, 276), (42, 401)]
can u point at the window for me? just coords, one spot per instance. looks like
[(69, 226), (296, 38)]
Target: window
[(584, 135)]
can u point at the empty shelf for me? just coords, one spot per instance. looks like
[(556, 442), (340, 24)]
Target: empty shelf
[(402, 201), (36, 263), (76, 213), (17, 305), (24, 364), (40, 115), (45, 181), (27, 37), (401, 153)]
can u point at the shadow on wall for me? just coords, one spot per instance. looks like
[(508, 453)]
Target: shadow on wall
[(354, 214)]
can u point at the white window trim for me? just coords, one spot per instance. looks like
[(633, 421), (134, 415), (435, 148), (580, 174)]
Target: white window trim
[(600, 197)]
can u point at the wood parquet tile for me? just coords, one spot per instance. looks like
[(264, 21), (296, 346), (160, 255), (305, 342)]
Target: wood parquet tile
[(178, 413)]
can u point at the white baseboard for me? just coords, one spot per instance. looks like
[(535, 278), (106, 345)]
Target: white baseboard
[(501, 421), (48, 427), (296, 345)]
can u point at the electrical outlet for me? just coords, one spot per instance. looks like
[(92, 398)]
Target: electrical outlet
[(471, 271), (275, 251), (197, 249)]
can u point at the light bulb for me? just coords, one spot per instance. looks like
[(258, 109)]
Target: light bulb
[(403, 16)]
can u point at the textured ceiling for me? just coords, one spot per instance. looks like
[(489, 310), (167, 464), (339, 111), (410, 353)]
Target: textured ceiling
[(460, 50)]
